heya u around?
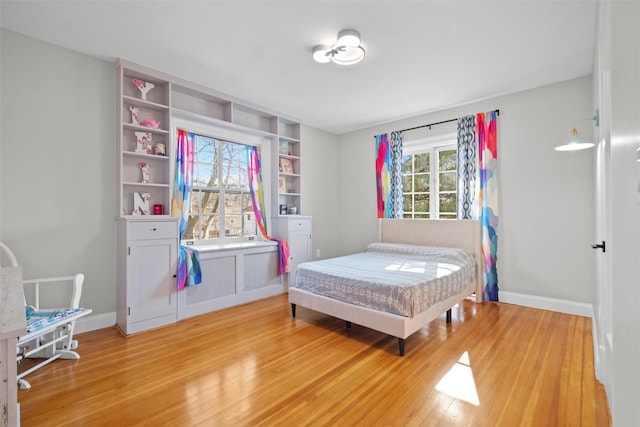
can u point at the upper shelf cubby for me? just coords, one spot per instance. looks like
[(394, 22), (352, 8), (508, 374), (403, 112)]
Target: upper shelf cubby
[(255, 119), (196, 102), (289, 129), (141, 89)]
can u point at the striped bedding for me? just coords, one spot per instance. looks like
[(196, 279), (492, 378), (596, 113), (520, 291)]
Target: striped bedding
[(394, 278)]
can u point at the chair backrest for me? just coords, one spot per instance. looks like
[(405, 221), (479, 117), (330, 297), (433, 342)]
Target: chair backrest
[(7, 258)]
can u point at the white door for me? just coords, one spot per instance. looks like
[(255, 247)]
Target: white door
[(604, 307)]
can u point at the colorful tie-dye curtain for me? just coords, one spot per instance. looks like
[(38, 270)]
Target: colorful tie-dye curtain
[(188, 260), (389, 175), (487, 130), (257, 197), (478, 187)]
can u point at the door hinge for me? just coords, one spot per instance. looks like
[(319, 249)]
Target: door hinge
[(129, 311), (129, 250), (602, 246)]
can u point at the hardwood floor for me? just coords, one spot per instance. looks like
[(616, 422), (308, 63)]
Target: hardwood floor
[(495, 365)]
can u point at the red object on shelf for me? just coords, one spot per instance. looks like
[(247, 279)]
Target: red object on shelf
[(157, 209)]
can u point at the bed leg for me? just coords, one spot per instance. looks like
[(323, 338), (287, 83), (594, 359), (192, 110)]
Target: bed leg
[(401, 346), (293, 310), (449, 316), (347, 324)]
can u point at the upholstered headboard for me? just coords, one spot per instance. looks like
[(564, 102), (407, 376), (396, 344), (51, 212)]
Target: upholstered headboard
[(460, 233)]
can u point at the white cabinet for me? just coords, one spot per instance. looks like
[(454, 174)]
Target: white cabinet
[(146, 267), (296, 230)]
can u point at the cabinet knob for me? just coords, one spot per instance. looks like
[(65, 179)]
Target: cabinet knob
[(154, 229)]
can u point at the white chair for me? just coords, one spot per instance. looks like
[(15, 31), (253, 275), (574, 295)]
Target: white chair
[(49, 330)]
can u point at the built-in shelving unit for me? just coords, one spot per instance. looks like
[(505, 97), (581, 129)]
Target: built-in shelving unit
[(145, 162), (287, 169), (140, 145)]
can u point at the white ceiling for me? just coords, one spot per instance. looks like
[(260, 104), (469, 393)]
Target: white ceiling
[(421, 56)]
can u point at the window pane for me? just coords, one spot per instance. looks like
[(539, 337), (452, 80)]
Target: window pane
[(407, 183), (425, 215), (407, 202), (204, 175), (234, 166), (407, 164), (232, 225), (206, 149), (210, 227), (422, 162), (205, 171), (196, 198), (191, 232), (232, 203), (447, 181), (407, 215), (422, 182), (210, 203), (447, 203), (448, 160), (421, 203), (249, 224)]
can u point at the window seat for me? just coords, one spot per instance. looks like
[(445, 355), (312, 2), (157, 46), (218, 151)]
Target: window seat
[(215, 247)]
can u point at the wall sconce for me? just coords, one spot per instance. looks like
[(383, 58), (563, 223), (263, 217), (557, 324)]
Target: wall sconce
[(575, 141), (346, 51)]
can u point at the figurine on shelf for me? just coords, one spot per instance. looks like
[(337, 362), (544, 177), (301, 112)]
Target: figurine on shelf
[(150, 123), (134, 115), (144, 87), (143, 142), (141, 204), (145, 172)]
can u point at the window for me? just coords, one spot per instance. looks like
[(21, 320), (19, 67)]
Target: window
[(221, 206), (429, 179)]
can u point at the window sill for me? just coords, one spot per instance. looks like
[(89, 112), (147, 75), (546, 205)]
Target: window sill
[(216, 247)]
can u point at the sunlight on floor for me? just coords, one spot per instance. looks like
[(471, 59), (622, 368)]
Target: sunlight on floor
[(459, 382)]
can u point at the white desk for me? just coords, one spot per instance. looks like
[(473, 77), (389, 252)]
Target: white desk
[(12, 325)]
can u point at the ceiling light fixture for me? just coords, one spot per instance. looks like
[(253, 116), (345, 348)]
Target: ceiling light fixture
[(346, 51)]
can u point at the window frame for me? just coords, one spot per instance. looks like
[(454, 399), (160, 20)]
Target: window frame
[(433, 146), (236, 137)]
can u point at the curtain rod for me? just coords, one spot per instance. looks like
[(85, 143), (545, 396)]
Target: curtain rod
[(437, 123)]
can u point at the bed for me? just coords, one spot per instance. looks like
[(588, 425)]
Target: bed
[(403, 320)]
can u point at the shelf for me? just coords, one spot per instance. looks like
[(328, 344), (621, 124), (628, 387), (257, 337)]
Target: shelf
[(288, 139), (295, 175), (145, 184), (289, 156), (130, 100), (138, 128), (145, 155), (289, 194)]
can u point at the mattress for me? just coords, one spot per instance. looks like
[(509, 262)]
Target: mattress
[(394, 278)]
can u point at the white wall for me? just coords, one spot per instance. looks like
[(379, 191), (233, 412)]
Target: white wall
[(546, 214), (58, 164), (320, 187)]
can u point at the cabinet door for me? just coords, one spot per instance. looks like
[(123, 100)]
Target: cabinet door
[(300, 249), (151, 282)]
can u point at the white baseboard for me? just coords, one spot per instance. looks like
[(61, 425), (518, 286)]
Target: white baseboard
[(553, 304), (95, 322)]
